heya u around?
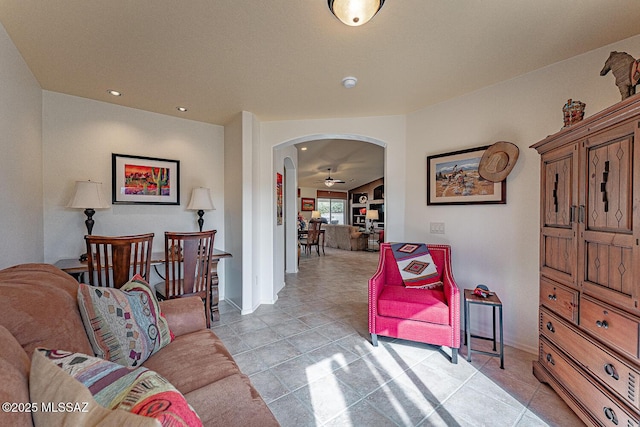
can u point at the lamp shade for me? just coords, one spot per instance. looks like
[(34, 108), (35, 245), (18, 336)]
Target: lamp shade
[(88, 195), (355, 12), (315, 214), (372, 215), (200, 200)]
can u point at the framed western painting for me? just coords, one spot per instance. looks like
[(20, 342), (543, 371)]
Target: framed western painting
[(145, 180), (453, 179), (308, 204)]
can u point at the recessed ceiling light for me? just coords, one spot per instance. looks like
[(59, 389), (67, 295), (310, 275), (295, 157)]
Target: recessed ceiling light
[(114, 92), (303, 148), (182, 109)]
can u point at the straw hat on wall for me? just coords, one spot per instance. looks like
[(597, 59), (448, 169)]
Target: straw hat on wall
[(498, 161)]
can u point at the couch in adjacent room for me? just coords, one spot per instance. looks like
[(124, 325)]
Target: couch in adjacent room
[(39, 309), (347, 237)]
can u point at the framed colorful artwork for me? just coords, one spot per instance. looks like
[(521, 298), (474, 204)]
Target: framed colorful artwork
[(308, 204), (453, 179), (279, 199), (144, 180)]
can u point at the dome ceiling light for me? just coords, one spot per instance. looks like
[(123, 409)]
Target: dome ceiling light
[(355, 12)]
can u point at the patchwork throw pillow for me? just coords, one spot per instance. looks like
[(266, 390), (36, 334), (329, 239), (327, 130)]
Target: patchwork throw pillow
[(106, 392), (124, 325), (417, 268)]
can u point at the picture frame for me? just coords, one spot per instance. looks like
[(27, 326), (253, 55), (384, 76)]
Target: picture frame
[(144, 180), (279, 199), (308, 204), (453, 179)]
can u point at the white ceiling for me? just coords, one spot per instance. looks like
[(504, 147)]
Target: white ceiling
[(285, 59), (355, 162)]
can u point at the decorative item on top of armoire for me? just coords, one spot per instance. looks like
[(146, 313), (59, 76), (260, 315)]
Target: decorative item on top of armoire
[(573, 112), (589, 319), (279, 198), (626, 70)]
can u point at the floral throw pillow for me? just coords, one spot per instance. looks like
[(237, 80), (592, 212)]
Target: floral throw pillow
[(113, 390), (124, 325)]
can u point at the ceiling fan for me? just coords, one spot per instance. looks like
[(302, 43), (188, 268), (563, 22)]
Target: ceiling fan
[(330, 181)]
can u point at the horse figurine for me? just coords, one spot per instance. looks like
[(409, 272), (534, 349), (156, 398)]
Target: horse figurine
[(625, 69)]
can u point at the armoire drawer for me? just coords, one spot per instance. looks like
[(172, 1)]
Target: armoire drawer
[(559, 299), (601, 404), (610, 325), (619, 375)]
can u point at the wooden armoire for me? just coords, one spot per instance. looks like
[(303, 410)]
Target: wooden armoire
[(590, 265)]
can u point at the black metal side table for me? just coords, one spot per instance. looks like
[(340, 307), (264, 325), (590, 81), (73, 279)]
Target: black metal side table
[(491, 301)]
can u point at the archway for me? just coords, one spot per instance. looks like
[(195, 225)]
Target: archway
[(288, 252)]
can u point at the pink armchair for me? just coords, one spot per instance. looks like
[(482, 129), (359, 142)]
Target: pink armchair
[(430, 316)]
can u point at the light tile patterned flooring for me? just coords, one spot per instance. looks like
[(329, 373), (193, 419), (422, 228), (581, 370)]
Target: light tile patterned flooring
[(310, 357)]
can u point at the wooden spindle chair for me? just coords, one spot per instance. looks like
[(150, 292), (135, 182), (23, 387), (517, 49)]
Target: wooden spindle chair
[(188, 259), (114, 260)]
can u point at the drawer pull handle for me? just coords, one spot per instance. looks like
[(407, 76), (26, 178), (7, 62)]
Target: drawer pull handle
[(550, 327), (611, 416), (610, 370), (550, 359), (552, 297), (602, 324)]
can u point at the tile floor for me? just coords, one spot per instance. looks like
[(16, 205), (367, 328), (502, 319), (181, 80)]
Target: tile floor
[(310, 358)]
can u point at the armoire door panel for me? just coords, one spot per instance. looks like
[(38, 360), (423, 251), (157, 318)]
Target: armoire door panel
[(558, 192), (609, 201)]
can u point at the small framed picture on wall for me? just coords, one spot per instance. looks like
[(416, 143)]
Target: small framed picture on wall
[(308, 204)]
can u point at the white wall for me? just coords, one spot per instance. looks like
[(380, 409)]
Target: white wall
[(498, 244), (21, 219), (79, 136), (233, 217)]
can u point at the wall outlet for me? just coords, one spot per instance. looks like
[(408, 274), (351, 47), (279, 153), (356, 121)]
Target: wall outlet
[(436, 227)]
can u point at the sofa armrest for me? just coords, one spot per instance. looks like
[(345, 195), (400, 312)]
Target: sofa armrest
[(184, 315)]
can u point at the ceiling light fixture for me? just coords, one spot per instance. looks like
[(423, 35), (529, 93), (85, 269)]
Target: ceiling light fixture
[(114, 92), (349, 82), (182, 109), (355, 12)]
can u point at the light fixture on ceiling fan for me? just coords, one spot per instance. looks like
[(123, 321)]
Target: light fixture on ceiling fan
[(355, 12), (330, 181)]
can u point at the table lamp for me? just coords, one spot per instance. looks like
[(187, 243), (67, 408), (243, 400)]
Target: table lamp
[(372, 215), (315, 215), (200, 201), (88, 196)]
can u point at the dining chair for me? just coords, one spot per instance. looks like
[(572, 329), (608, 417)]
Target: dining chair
[(188, 261), (313, 237), (113, 260)]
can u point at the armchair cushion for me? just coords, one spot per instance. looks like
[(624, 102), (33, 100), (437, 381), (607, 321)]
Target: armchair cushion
[(426, 305)]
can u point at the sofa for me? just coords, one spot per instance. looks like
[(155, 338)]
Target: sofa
[(347, 237), (39, 308)]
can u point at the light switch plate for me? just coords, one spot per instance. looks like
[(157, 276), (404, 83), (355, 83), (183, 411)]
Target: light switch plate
[(436, 227)]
